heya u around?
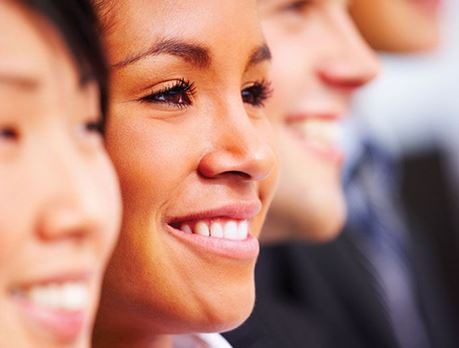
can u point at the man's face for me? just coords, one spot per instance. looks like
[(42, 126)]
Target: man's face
[(319, 61)]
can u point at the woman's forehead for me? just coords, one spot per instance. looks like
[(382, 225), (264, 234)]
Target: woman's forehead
[(180, 30), (170, 18)]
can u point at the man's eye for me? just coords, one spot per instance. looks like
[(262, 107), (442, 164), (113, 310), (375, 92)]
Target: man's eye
[(257, 93), (179, 94)]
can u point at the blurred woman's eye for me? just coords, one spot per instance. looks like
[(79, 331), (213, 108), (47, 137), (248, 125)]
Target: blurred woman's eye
[(96, 127), (9, 134), (178, 94), (91, 129), (257, 93), (297, 6)]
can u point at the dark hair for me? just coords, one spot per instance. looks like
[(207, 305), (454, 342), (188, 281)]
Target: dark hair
[(77, 25)]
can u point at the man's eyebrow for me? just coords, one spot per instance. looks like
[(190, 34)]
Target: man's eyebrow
[(190, 52), (18, 81), (260, 54)]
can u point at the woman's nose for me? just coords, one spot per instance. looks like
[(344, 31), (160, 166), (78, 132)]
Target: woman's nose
[(70, 206), (240, 147)]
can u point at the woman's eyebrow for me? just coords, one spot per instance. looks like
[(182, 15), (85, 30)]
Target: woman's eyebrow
[(259, 55), (18, 82), (190, 52)]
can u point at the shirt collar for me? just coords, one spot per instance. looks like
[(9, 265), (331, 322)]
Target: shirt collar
[(200, 340)]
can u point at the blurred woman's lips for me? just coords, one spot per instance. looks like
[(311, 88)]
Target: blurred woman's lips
[(319, 134), (58, 304), (429, 5), (223, 231)]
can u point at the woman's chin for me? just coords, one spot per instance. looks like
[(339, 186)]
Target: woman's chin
[(228, 321), (227, 314)]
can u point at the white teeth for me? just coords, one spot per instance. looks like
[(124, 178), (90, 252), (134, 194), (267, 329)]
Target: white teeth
[(186, 229), (74, 296), (216, 230), (327, 132), (202, 229), (243, 230), (230, 230), (70, 296)]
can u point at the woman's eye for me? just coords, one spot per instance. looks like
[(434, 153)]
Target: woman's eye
[(257, 93), (179, 94), (9, 134), (91, 130), (297, 6), (96, 127)]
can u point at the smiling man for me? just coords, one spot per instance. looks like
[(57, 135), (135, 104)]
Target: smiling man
[(331, 295)]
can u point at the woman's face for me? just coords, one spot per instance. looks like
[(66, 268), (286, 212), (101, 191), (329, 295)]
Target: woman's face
[(59, 201), (319, 60), (190, 142), (398, 25)]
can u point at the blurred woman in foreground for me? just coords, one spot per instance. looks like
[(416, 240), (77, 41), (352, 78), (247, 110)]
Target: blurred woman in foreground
[(59, 199)]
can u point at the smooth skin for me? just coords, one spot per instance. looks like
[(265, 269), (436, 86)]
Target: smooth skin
[(398, 26), (188, 135), (319, 62), (59, 197)]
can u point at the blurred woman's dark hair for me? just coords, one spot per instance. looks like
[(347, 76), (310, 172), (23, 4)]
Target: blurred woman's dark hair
[(77, 25)]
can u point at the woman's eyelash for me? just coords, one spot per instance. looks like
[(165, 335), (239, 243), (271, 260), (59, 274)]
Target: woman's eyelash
[(179, 94), (257, 93)]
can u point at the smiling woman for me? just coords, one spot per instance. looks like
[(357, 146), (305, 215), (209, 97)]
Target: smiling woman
[(189, 139), (59, 199)]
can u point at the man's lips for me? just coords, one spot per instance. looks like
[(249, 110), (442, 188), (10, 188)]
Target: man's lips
[(305, 116), (319, 134)]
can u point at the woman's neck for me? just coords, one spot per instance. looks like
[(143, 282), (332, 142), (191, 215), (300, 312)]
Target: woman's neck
[(113, 339), (121, 328)]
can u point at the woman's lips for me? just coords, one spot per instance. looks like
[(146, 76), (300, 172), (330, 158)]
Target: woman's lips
[(218, 228), (428, 5), (223, 231), (57, 306), (244, 210), (246, 249)]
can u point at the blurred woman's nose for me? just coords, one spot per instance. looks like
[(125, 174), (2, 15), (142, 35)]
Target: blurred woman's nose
[(351, 63), (70, 207), (240, 147)]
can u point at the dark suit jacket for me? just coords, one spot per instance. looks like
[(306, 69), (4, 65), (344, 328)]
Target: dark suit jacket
[(322, 296)]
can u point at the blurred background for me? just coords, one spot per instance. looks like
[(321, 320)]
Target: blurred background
[(412, 109), (414, 102)]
